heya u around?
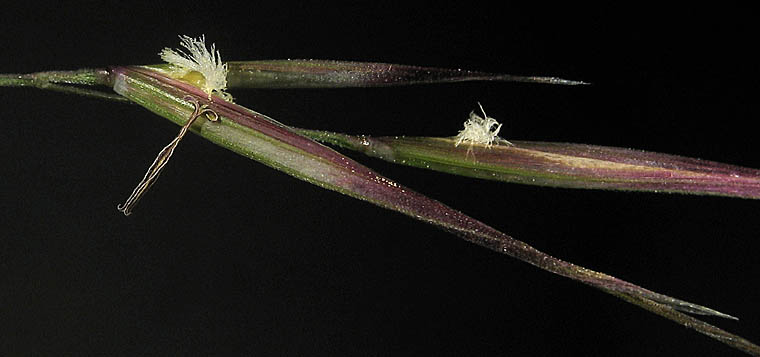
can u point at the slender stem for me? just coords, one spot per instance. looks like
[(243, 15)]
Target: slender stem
[(65, 82)]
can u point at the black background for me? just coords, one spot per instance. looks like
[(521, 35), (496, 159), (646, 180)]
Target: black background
[(228, 257)]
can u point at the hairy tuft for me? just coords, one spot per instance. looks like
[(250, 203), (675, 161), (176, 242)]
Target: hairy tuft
[(480, 130), (206, 62)]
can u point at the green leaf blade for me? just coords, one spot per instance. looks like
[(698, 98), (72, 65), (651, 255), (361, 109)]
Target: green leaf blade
[(299, 73), (559, 164)]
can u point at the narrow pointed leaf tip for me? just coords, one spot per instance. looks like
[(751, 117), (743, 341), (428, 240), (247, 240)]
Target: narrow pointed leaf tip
[(305, 73), (559, 164), (200, 67)]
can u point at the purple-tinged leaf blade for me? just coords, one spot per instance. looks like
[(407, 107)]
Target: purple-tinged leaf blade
[(300, 73), (559, 164), (258, 137)]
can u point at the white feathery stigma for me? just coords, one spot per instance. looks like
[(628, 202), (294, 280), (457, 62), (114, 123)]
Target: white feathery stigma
[(199, 59), (480, 130)]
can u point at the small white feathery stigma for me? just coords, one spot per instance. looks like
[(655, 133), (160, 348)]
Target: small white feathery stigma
[(480, 130), (207, 63)]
